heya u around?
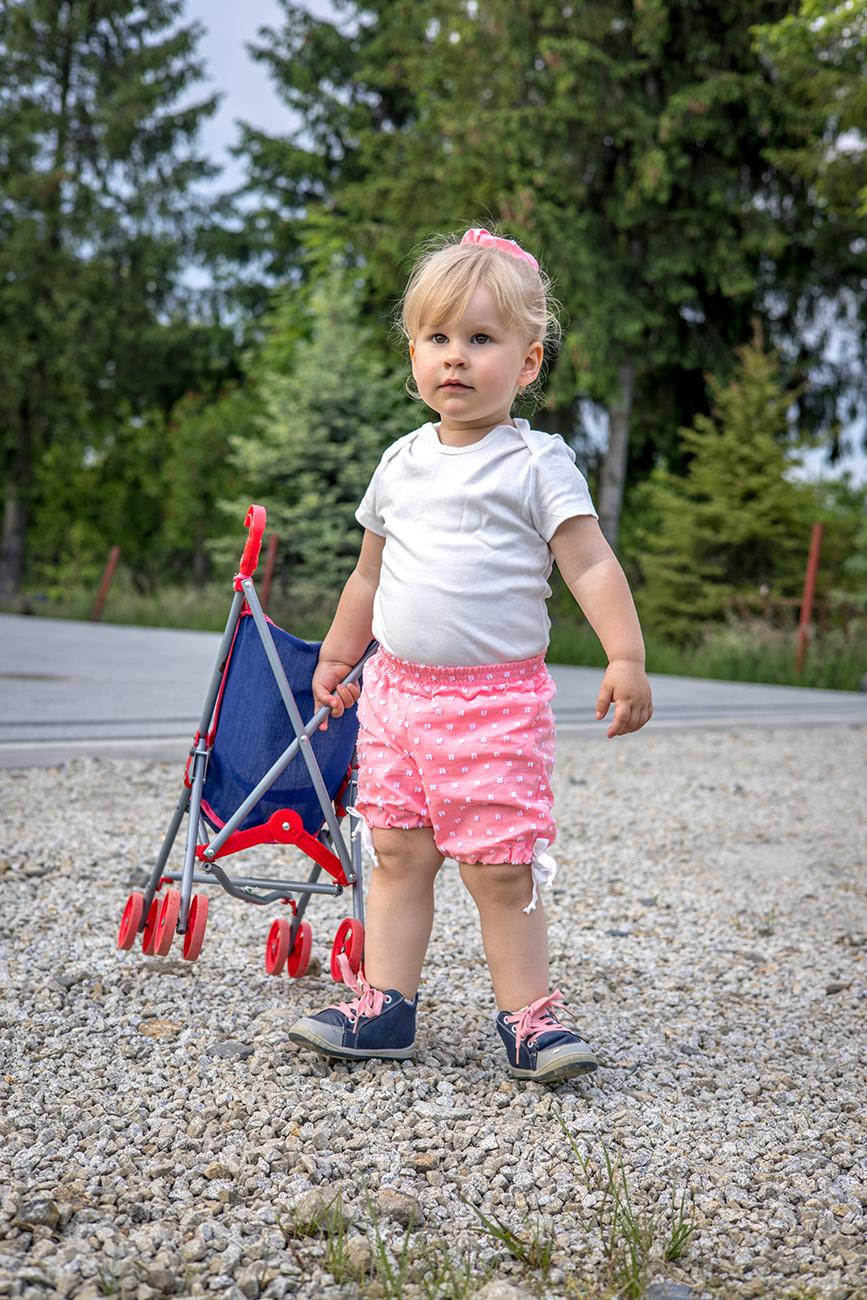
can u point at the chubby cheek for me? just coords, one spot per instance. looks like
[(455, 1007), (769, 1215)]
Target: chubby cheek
[(424, 375)]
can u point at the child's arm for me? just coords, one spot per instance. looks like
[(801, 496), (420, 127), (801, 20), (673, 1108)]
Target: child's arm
[(593, 575), (350, 631)]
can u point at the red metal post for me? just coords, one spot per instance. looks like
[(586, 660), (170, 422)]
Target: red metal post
[(265, 597), (102, 594), (807, 599)]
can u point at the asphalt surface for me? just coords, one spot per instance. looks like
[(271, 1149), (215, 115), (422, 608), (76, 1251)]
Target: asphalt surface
[(75, 689)]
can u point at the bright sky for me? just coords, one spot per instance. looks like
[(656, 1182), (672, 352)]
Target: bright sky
[(248, 95), (246, 86)]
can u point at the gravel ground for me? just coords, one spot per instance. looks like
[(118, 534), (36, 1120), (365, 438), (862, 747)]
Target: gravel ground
[(159, 1136)]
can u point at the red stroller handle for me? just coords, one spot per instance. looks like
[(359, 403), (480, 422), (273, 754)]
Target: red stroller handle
[(255, 522)]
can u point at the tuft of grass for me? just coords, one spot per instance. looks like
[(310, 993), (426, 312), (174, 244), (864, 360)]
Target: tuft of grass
[(327, 1222), (536, 1252), (628, 1236), (419, 1266), (440, 1277), (681, 1231), (766, 925)]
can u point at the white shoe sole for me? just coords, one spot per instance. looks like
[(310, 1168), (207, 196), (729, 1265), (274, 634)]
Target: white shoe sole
[(567, 1067), (308, 1035)]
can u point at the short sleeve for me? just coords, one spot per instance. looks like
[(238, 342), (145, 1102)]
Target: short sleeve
[(368, 514), (558, 489)]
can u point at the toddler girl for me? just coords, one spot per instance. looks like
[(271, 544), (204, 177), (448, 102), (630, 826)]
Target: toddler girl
[(463, 520)]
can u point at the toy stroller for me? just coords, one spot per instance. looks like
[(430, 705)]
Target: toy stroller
[(245, 782)]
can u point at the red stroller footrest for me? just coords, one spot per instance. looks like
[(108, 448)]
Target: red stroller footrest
[(282, 827)]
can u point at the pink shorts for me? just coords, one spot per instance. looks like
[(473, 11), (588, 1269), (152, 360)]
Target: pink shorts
[(466, 750)]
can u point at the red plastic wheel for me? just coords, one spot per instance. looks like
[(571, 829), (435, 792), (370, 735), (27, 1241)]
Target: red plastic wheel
[(196, 922), (349, 940), (166, 922), (299, 957), (277, 946), (149, 936), (130, 921)]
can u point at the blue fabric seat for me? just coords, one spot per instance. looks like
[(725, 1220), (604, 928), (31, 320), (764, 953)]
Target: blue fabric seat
[(253, 729)]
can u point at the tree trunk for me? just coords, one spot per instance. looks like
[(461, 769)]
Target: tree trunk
[(200, 559), (12, 554), (613, 476), (16, 499)]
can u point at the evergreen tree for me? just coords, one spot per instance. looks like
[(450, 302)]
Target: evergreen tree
[(818, 56), (735, 521), (323, 422), (625, 142), (97, 220)]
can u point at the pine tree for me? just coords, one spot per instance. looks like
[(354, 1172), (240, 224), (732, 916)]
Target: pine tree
[(97, 218), (324, 420), (627, 143), (818, 57), (735, 521)]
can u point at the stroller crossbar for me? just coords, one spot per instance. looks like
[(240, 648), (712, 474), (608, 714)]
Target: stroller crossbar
[(258, 773), (199, 878)]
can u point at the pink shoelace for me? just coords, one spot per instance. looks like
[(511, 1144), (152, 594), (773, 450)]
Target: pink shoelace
[(368, 1000), (540, 1017)]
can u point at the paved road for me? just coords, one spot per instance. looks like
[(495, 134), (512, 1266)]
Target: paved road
[(70, 689)]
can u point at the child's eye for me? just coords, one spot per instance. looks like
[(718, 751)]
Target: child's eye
[(438, 338), (486, 338)]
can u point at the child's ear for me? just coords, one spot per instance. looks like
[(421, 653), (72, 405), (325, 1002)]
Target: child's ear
[(532, 364), (412, 350)]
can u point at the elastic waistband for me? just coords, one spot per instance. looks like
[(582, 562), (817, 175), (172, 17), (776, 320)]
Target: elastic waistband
[(501, 674)]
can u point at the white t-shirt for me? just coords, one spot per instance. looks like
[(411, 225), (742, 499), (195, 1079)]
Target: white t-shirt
[(466, 560)]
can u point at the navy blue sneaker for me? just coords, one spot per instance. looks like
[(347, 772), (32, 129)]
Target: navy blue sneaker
[(375, 1023), (539, 1046)]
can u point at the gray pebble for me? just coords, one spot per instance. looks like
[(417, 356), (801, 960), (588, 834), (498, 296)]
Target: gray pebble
[(230, 1050)]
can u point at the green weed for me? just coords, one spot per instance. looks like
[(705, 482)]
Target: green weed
[(535, 1252), (628, 1236)]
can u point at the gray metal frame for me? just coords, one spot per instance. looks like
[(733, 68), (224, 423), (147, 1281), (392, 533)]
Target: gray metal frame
[(208, 872)]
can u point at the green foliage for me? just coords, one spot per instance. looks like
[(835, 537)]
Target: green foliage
[(842, 577), (816, 55), (87, 498), (97, 222), (320, 427), (734, 522), (819, 54), (629, 147), (199, 474)]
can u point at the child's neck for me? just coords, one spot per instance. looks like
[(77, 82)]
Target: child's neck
[(465, 435)]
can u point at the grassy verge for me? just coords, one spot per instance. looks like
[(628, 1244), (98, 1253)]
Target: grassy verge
[(743, 651), (747, 650)]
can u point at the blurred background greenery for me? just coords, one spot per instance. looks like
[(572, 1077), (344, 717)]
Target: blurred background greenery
[(693, 176)]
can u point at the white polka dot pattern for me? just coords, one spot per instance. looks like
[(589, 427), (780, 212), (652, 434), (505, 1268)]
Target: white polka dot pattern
[(483, 779)]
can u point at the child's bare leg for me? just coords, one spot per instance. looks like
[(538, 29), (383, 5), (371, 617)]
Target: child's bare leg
[(400, 908), (516, 942)]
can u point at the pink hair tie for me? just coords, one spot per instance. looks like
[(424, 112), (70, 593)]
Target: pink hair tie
[(484, 238)]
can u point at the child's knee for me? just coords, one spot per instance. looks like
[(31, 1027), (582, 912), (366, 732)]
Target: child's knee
[(404, 852), (496, 880)]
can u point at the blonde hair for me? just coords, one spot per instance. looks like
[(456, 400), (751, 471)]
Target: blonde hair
[(445, 278)]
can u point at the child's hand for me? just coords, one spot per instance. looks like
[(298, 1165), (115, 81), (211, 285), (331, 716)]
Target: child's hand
[(625, 682), (329, 672)]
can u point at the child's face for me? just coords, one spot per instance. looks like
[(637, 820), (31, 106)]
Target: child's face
[(469, 369)]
